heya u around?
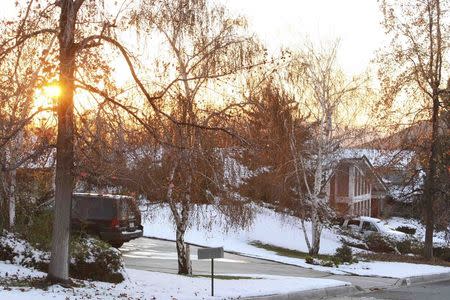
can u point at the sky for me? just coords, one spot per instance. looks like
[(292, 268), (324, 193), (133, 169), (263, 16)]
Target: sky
[(290, 22)]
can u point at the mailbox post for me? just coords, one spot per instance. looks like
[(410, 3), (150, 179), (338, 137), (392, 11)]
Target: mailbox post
[(211, 253)]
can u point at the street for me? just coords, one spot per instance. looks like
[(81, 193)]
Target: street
[(160, 256), (428, 291)]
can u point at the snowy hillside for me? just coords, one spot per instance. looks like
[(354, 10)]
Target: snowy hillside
[(268, 227)]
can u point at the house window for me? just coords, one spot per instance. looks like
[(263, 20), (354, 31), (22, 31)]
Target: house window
[(342, 182), (363, 186)]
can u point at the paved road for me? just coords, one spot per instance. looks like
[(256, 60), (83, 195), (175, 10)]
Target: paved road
[(428, 291), (160, 256)]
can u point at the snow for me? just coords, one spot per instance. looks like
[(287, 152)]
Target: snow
[(152, 285), (18, 272), (398, 159), (272, 228), (24, 253), (439, 238), (266, 228), (392, 269)]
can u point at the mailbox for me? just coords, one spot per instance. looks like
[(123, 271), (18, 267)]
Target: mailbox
[(210, 253)]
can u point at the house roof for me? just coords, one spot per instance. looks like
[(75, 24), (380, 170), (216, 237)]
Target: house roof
[(364, 163), (398, 159)]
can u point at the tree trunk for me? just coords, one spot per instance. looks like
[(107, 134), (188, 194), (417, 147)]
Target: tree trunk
[(12, 198), (184, 259), (430, 186), (316, 230), (59, 263)]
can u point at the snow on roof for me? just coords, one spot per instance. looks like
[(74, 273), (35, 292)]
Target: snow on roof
[(380, 158), (110, 196)]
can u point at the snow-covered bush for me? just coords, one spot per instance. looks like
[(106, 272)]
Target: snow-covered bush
[(406, 229), (90, 258), (354, 242), (410, 245), (95, 259), (20, 252)]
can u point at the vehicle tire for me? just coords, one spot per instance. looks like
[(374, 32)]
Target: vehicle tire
[(116, 244)]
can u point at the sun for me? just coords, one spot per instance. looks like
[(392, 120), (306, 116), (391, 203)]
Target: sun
[(45, 98), (52, 91)]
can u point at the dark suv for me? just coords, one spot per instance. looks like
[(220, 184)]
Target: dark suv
[(114, 218)]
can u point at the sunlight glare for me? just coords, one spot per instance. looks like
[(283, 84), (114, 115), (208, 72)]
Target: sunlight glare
[(52, 91)]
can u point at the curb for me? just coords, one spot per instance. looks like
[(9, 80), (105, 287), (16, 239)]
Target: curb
[(422, 279), (309, 294)]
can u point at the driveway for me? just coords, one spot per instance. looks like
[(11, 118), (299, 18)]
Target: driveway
[(161, 256)]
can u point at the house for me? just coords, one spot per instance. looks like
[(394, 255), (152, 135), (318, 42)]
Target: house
[(363, 179), (355, 188)]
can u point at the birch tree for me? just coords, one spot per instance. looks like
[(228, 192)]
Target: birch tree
[(203, 44), (325, 93)]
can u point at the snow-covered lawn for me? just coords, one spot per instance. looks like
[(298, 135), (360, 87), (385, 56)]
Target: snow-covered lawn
[(278, 230), (152, 285), (268, 227)]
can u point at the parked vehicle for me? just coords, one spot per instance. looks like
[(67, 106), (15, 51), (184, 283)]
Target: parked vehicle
[(114, 218), (368, 226)]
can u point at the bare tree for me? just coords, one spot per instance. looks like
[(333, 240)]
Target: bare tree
[(412, 71), (20, 74), (77, 31)]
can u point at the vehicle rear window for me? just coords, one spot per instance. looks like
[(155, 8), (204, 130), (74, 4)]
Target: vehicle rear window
[(353, 222), (369, 227), (94, 208), (124, 210)]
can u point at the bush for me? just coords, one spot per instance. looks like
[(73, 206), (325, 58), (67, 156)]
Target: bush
[(442, 253), (309, 260), (354, 242), (378, 243), (406, 229), (95, 259), (38, 230), (344, 254), (20, 252), (327, 263), (90, 258), (410, 246)]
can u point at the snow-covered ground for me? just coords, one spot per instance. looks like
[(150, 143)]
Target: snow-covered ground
[(439, 238), (152, 285), (268, 227), (275, 229)]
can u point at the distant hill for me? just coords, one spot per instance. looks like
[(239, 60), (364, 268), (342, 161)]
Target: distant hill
[(416, 137)]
